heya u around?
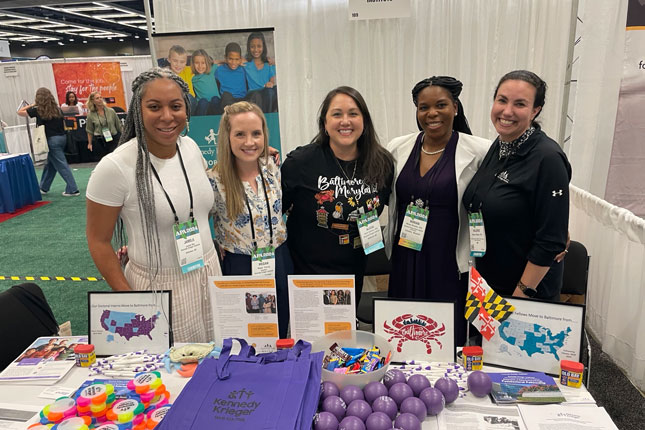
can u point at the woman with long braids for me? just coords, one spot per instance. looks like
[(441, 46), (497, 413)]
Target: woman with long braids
[(433, 168), (156, 183), (47, 113)]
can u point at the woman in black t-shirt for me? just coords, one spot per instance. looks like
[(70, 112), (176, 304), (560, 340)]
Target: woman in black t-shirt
[(326, 185), (47, 113)]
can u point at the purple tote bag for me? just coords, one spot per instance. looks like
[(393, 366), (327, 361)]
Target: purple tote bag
[(248, 391)]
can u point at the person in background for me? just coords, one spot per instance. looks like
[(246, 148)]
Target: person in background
[(260, 74), (326, 185), (247, 214), (522, 193), (206, 91), (47, 113), (433, 168), (154, 182), (232, 78), (103, 126), (178, 60), (72, 101)]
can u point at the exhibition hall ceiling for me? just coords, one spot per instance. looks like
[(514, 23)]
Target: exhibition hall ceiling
[(68, 21)]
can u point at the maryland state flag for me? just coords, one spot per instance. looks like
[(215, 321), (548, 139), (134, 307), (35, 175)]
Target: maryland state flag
[(485, 309)]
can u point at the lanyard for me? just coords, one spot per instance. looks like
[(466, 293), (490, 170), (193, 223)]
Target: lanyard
[(190, 192), (487, 179), (106, 120), (248, 206)]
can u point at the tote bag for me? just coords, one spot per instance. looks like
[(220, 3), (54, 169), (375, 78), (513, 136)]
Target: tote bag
[(248, 391), (40, 141)]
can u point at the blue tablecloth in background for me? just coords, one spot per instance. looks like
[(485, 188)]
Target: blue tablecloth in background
[(18, 182)]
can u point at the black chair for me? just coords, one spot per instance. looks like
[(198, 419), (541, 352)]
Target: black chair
[(377, 264), (574, 290), (576, 270), (25, 316)]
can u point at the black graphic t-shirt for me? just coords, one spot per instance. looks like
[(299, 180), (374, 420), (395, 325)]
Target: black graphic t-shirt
[(326, 196)]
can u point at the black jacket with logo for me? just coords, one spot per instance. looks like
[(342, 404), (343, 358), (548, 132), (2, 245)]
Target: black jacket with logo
[(524, 200)]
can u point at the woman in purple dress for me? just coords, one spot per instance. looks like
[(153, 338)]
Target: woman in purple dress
[(433, 168)]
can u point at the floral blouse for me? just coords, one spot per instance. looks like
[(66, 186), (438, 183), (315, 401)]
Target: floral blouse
[(234, 235)]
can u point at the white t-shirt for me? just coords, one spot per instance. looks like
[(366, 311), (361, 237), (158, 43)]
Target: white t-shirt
[(79, 105), (112, 183)]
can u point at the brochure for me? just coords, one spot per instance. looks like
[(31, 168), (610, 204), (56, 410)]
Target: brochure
[(524, 387), (44, 362)]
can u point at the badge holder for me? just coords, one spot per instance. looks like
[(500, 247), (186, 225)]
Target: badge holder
[(369, 229), (477, 234), (106, 134), (188, 242), (414, 227)]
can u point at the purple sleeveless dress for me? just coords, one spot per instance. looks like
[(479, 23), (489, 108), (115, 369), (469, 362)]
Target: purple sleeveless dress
[(431, 273)]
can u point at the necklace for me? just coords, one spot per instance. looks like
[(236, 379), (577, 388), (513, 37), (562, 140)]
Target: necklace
[(343, 170), (433, 152)]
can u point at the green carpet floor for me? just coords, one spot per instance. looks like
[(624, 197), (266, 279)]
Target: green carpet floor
[(50, 241)]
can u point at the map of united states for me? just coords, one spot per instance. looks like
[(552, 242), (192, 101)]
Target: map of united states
[(533, 338), (128, 324)]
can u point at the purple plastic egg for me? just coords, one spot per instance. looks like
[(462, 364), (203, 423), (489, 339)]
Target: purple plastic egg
[(392, 377), (407, 421), (400, 391), (418, 383), (387, 405), (325, 421), (373, 390), (349, 393), (359, 408), (351, 423), (378, 421), (448, 387), (329, 389), (415, 406), (479, 383), (434, 400), (335, 405)]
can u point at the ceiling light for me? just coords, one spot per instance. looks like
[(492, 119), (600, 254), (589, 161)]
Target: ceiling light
[(147, 38), (61, 43), (136, 36), (23, 44), (120, 40), (71, 39), (85, 41)]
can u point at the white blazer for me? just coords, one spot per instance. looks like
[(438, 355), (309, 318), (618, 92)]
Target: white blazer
[(468, 157)]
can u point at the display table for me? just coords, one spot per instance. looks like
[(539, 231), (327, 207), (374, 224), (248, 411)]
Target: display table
[(26, 397), (18, 182)]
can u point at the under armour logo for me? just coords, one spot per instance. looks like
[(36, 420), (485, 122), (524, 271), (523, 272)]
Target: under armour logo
[(503, 176), (556, 193)]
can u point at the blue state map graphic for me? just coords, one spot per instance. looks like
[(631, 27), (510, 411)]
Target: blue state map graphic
[(533, 338), (127, 324)]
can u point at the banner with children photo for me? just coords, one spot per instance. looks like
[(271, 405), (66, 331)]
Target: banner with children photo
[(221, 68)]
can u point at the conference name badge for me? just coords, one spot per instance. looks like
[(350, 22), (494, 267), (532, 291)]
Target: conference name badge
[(477, 234), (106, 134), (369, 228), (414, 227), (188, 243), (263, 262)]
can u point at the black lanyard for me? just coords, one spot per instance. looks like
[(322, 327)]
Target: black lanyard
[(248, 206), (487, 179), (106, 121), (190, 192)]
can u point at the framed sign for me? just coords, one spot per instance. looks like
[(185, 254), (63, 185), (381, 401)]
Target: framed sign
[(537, 336), (417, 329), (221, 67), (127, 321)]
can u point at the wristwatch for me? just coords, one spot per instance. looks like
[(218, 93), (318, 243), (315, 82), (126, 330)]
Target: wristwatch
[(528, 291)]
